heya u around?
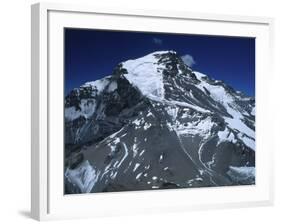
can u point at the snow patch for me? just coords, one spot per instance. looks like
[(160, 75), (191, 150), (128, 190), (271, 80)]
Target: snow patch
[(202, 128), (226, 136), (161, 157), (242, 174), (88, 108), (237, 124), (150, 114), (138, 176), (184, 104), (136, 167), (200, 75), (138, 122), (84, 176), (112, 86), (141, 153), (173, 112), (248, 141), (125, 154), (253, 112), (135, 149), (147, 167), (99, 85), (146, 126)]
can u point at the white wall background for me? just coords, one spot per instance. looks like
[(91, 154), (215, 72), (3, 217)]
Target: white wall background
[(15, 110)]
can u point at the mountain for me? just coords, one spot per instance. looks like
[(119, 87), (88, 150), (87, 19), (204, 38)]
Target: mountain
[(154, 123)]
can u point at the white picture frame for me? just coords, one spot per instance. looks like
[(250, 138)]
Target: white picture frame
[(48, 201)]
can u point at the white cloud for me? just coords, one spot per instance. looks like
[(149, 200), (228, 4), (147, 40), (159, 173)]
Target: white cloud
[(157, 41), (188, 60)]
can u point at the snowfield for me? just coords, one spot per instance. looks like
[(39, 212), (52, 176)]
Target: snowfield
[(242, 174)]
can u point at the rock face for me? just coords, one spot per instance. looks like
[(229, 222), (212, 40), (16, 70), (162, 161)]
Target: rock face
[(156, 124)]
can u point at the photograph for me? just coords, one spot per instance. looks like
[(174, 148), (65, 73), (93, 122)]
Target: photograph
[(153, 111)]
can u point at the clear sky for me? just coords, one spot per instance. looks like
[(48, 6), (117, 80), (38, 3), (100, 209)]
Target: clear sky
[(93, 54)]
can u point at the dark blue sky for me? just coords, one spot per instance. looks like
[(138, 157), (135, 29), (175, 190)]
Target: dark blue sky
[(93, 54)]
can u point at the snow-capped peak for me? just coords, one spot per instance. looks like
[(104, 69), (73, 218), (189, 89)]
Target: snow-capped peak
[(151, 112)]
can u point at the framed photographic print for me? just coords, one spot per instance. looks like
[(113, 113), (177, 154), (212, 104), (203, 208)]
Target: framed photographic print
[(148, 111)]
